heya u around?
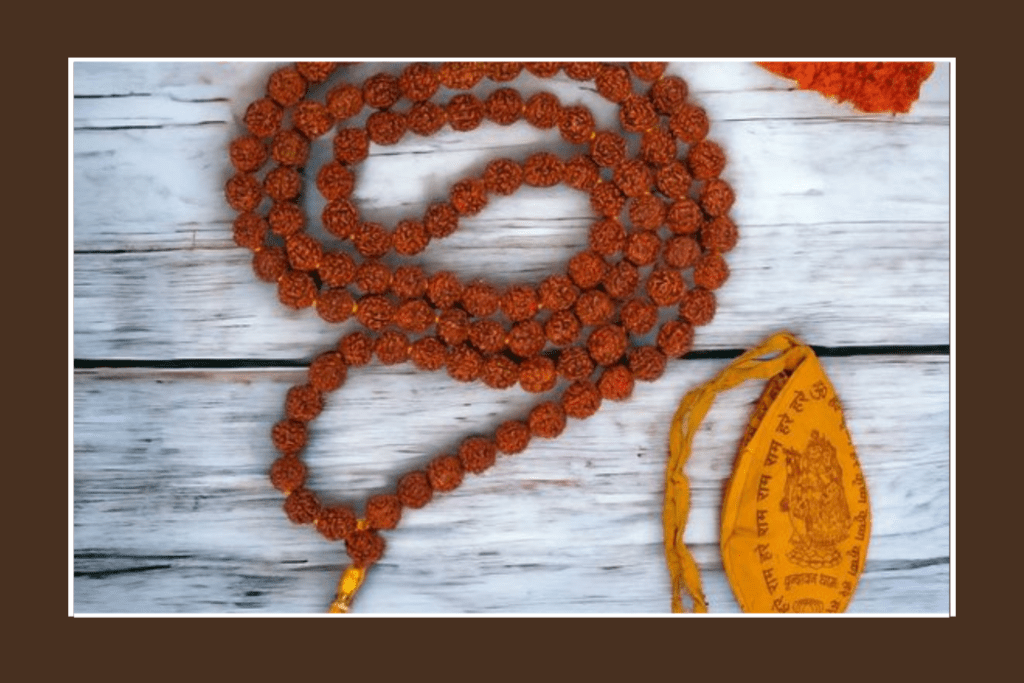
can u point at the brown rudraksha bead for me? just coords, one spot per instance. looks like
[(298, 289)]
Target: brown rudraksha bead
[(287, 474), (383, 511), (512, 437), (504, 106), (464, 363), (716, 198), (364, 547), (675, 338), (335, 305), (581, 399), (419, 82), (414, 490), (616, 383), (719, 235), (289, 436), (356, 348), (445, 473), (503, 176), (499, 372), (282, 183), (328, 371), (336, 523), (647, 363), (543, 169), (480, 299), (606, 344), (526, 338), (706, 160), (711, 271), (547, 420), (286, 86), (465, 112), (344, 101), (477, 454), (574, 363), (428, 354), (392, 347), (296, 289), (537, 374), (248, 153), (608, 149), (668, 94), (582, 173), (647, 71), (385, 127), (689, 123), (381, 91), (263, 118), (698, 306), (312, 119), (520, 302), (612, 81), (302, 506)]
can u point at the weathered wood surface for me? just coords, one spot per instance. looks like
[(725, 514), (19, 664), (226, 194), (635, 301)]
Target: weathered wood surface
[(845, 240), (173, 513)]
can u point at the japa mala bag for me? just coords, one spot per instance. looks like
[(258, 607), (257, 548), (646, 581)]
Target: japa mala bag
[(795, 514)]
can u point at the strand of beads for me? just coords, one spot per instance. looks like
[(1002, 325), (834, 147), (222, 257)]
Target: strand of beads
[(582, 326)]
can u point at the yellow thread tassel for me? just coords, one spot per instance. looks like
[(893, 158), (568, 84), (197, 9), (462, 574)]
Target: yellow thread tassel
[(685, 576), (350, 582)]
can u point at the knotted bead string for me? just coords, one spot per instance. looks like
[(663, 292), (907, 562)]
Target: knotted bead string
[(582, 326)]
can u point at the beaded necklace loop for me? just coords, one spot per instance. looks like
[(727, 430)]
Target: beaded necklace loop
[(658, 241)]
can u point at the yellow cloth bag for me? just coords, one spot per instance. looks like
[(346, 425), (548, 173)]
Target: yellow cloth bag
[(795, 516)]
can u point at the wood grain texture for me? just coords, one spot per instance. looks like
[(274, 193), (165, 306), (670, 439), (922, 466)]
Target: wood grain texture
[(845, 237), (568, 525), (850, 239)]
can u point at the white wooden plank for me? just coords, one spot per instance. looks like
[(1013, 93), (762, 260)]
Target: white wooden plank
[(191, 80), (147, 110), (868, 173), (243, 81), (834, 284), (844, 218), (170, 474), (780, 166)]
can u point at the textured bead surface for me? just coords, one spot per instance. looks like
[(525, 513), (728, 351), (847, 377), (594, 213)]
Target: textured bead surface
[(414, 490), (364, 547), (289, 436), (537, 374), (263, 118), (616, 383), (547, 420), (581, 399), (512, 437), (383, 511), (499, 372), (327, 372), (477, 454), (287, 474), (590, 328), (392, 347), (445, 473), (526, 339), (336, 523), (301, 506)]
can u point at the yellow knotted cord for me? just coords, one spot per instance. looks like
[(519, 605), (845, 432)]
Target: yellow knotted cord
[(349, 584), (685, 576)]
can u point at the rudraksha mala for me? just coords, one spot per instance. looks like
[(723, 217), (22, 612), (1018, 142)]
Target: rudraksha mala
[(656, 243)]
